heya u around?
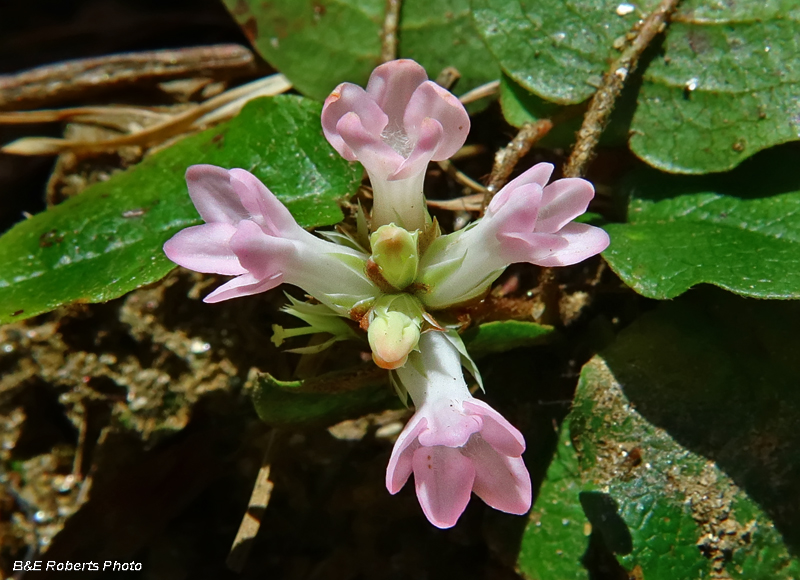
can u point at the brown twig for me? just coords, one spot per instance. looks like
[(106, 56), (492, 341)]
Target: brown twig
[(485, 90), (507, 158), (614, 79), (217, 108), (460, 177), (466, 203), (448, 77), (56, 82), (77, 462), (389, 33), (81, 114), (256, 507)]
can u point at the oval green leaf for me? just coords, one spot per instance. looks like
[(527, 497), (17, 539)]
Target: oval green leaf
[(684, 448), (678, 423), (504, 335), (319, 44), (739, 231), (722, 87)]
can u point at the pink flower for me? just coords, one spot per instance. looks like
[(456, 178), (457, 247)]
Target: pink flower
[(527, 221), (394, 128), (455, 444), (251, 235)]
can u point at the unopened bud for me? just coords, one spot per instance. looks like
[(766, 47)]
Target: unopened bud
[(394, 329), (394, 251)]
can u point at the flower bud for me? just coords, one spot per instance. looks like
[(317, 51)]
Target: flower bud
[(394, 329), (394, 251)]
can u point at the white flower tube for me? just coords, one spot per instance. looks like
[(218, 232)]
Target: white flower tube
[(527, 221)]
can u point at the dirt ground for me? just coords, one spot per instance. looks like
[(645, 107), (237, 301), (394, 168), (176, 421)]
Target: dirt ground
[(129, 435)]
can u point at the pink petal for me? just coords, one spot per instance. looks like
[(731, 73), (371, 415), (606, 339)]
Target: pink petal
[(518, 209), (497, 431), (434, 102), (244, 285), (205, 248), (374, 154), (213, 195), (517, 247), (262, 203), (563, 201), (400, 464), (502, 482), (539, 174), (443, 478), (350, 98), (449, 427), (392, 84), (262, 255), (583, 241), (430, 134)]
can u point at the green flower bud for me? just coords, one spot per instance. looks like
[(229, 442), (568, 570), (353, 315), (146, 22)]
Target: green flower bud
[(394, 329), (395, 252)]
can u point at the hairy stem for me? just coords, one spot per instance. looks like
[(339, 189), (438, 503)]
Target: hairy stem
[(614, 79), (389, 33)]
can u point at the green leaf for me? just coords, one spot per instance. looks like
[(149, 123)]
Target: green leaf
[(557, 50), (722, 86), (556, 537), (742, 65), (441, 33), (687, 423), (327, 398), (504, 335), (319, 44), (739, 231), (521, 106), (107, 241)]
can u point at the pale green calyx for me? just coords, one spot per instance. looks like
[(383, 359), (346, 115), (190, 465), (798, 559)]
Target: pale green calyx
[(395, 252), (320, 319), (394, 329)]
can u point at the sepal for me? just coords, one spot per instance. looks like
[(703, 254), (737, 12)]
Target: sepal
[(320, 319), (395, 252)]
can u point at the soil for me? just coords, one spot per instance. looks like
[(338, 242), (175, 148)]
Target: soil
[(129, 435)]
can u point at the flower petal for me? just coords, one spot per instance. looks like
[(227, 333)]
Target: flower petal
[(213, 195), (400, 463), (377, 157), (205, 248), (502, 482), (443, 478), (263, 255), (430, 101), (518, 210), (244, 285), (497, 431), (563, 201), (350, 98), (539, 173), (392, 84), (583, 241), (430, 135), (262, 203), (519, 247), (448, 426)]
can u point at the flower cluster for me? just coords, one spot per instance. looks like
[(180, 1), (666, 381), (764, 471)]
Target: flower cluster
[(400, 284)]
